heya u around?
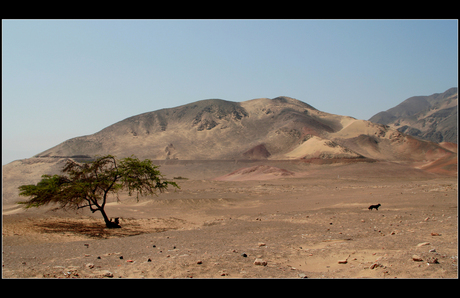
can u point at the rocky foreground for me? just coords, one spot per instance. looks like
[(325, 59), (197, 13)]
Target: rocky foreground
[(316, 226)]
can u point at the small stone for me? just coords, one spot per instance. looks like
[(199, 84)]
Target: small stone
[(261, 244), (90, 265), (435, 234), (121, 257), (129, 261), (375, 265), (432, 260), (149, 260), (199, 262), (417, 258), (260, 262), (108, 274), (302, 275), (432, 250), (423, 243), (344, 261), (244, 255), (223, 273)]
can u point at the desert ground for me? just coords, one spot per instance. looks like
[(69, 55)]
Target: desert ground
[(269, 220)]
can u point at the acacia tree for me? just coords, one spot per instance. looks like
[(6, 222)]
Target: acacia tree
[(89, 184)]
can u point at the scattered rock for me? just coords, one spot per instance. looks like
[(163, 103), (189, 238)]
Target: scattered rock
[(432, 260), (223, 273), (90, 265), (107, 274), (302, 275), (423, 243), (344, 261), (260, 262), (417, 258), (435, 234), (199, 262), (261, 244), (432, 250), (244, 255)]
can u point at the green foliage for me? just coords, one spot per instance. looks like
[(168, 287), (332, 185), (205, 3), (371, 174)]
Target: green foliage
[(88, 184), (141, 176), (49, 190)]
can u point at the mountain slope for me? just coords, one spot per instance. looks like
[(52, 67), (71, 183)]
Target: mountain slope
[(217, 134), (282, 128), (432, 118), (207, 129)]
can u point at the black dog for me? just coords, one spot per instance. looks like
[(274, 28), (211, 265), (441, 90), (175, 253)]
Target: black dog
[(374, 206)]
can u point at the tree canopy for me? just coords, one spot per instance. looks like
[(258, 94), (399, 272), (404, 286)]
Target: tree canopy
[(89, 184)]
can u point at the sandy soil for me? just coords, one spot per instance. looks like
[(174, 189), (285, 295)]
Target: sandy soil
[(314, 225)]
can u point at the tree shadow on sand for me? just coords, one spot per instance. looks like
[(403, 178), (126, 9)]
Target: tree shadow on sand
[(97, 229)]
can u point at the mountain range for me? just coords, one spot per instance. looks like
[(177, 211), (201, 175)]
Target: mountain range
[(281, 128), (210, 138), (432, 117)]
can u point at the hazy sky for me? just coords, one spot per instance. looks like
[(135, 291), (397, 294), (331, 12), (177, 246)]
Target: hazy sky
[(67, 78)]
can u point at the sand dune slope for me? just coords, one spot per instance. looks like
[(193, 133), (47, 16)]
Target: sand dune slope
[(260, 172)]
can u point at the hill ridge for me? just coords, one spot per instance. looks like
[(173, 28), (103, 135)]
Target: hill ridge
[(433, 117), (281, 128)]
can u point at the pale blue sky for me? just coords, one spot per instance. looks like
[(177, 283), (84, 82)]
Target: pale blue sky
[(67, 78)]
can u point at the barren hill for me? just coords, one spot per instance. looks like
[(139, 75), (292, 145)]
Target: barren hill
[(432, 118), (214, 137), (282, 128), (207, 129)]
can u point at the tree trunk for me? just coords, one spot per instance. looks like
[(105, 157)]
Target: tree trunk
[(108, 223)]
